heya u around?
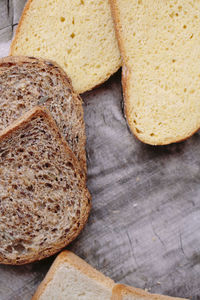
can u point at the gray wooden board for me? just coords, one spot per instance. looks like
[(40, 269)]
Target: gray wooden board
[(144, 228)]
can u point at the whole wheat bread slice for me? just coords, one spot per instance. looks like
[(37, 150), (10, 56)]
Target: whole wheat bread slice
[(79, 35), (124, 292), (26, 82), (160, 47), (44, 200), (71, 278)]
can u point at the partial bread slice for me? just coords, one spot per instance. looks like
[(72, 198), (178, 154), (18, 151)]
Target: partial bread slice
[(124, 292), (71, 278), (160, 47), (79, 35), (44, 200), (26, 82)]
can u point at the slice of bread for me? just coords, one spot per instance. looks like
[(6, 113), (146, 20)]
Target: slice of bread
[(71, 278), (79, 35), (160, 47), (26, 82), (124, 292), (44, 200)]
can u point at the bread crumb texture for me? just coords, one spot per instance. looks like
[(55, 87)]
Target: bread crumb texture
[(160, 44), (27, 82), (44, 201), (79, 35)]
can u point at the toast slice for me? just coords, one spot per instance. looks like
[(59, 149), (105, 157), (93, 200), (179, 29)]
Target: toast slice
[(71, 278), (160, 47), (26, 82), (124, 292), (79, 35), (44, 200)]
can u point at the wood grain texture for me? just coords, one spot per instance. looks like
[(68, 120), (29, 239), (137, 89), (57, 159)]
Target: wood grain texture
[(144, 229)]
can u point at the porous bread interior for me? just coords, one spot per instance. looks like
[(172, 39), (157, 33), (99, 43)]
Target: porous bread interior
[(25, 83), (79, 35), (160, 45), (68, 283), (44, 201)]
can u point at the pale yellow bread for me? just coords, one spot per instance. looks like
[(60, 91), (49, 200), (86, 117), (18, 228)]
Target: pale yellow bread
[(79, 35), (71, 278), (159, 42), (124, 292)]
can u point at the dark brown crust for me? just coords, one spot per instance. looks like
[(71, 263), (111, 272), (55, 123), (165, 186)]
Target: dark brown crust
[(24, 13), (126, 81), (79, 264), (120, 289), (20, 123), (76, 98)]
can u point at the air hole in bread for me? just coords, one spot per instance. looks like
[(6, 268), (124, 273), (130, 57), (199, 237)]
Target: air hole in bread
[(137, 130), (49, 185), (19, 248)]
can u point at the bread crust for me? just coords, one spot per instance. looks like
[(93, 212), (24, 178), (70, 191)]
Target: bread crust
[(77, 263), (20, 123), (119, 290), (67, 81), (24, 12), (126, 83)]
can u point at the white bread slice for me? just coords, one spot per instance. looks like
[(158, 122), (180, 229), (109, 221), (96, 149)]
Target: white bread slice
[(160, 47), (124, 292), (79, 35), (44, 199), (71, 278)]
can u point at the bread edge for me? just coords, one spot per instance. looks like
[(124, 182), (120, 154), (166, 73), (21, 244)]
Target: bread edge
[(23, 15), (126, 83), (119, 290), (21, 122), (79, 264)]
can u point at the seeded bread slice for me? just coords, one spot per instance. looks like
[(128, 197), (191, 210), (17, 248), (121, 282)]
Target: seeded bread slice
[(44, 200), (79, 35), (26, 82), (160, 47), (124, 292), (71, 278)]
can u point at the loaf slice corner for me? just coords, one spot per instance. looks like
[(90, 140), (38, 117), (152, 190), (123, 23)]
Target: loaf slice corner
[(72, 278)]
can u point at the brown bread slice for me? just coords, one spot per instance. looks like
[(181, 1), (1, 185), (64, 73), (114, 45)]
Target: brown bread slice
[(26, 82), (44, 200)]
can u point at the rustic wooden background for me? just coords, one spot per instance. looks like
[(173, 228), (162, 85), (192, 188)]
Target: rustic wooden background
[(144, 229)]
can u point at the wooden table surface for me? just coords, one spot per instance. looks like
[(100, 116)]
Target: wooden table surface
[(144, 228)]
